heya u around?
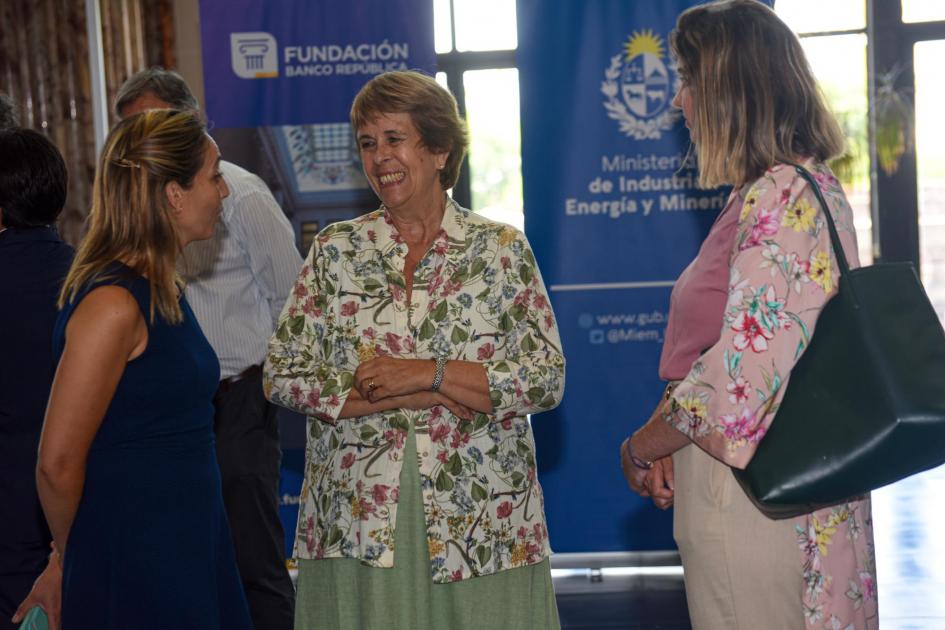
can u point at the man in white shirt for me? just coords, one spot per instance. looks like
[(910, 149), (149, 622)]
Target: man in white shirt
[(236, 284)]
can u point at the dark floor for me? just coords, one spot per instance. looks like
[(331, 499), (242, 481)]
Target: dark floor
[(626, 602), (910, 558)]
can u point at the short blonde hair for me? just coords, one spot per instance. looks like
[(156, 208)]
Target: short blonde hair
[(755, 99), (432, 111), (131, 218)]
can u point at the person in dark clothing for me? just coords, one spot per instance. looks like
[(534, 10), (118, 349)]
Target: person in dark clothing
[(33, 263)]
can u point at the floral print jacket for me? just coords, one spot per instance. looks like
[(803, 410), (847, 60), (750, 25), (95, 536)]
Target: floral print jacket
[(783, 271), (477, 296)]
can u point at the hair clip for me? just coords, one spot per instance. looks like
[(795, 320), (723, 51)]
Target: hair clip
[(126, 163)]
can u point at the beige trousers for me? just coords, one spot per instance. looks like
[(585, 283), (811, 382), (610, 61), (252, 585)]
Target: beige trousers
[(743, 570)]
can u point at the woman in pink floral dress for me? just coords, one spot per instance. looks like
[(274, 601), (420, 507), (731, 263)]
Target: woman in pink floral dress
[(741, 315)]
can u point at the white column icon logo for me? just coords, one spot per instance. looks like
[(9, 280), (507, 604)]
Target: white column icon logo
[(254, 55)]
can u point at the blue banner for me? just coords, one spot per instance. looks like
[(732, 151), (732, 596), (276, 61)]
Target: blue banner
[(614, 216), (292, 63)]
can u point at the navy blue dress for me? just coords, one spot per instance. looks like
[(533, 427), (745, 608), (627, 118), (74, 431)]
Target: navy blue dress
[(150, 547)]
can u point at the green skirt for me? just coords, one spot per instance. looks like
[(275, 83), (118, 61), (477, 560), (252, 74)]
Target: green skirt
[(343, 594)]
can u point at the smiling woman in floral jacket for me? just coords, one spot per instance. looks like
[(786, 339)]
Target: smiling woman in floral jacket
[(417, 339)]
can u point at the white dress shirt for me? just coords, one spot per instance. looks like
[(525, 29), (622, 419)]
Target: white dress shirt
[(238, 280)]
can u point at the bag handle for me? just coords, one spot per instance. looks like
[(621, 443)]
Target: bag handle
[(834, 235)]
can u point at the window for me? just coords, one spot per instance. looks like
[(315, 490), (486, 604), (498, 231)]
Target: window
[(485, 25), (835, 42), (495, 152), (475, 42), (817, 16), (930, 154), (922, 10)]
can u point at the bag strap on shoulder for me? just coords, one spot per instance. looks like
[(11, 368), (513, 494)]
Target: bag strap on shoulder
[(831, 226)]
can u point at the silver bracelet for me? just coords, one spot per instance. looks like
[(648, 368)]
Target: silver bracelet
[(644, 464), (438, 374)]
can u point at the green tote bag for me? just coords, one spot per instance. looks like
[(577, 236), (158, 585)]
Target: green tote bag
[(865, 404)]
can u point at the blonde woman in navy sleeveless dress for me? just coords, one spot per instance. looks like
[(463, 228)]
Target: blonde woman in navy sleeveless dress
[(127, 473)]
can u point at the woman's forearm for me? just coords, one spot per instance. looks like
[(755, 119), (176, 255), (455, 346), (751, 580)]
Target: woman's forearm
[(658, 438), (466, 383), (355, 405), (60, 489)]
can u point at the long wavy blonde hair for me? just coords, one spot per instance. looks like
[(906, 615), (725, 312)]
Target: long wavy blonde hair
[(755, 99), (131, 219)]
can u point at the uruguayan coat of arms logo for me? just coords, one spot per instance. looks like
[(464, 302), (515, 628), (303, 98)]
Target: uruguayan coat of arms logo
[(639, 87)]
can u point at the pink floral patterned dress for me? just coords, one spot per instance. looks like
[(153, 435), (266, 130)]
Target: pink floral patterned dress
[(781, 272)]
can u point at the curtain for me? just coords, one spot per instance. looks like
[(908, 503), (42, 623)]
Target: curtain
[(44, 67)]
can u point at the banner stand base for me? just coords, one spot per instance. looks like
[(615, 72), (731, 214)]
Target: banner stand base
[(626, 572), (615, 559)]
